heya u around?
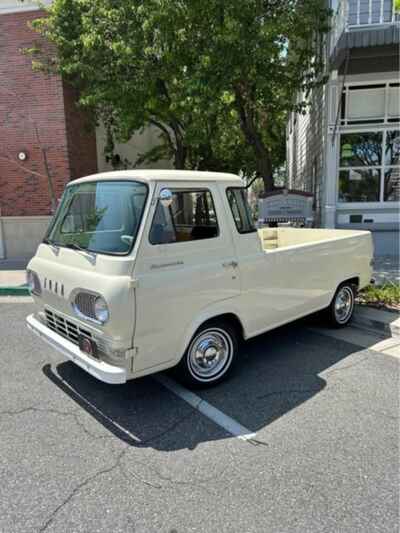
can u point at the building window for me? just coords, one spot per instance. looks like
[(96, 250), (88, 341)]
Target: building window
[(362, 12), (370, 104), (369, 166)]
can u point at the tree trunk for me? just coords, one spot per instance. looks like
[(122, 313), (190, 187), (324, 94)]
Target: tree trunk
[(264, 167), (253, 137), (52, 194), (180, 150), (180, 156)]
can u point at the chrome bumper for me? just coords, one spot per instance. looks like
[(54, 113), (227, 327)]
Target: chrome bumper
[(99, 369)]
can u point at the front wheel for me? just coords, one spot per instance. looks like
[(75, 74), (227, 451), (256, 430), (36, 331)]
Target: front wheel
[(341, 308), (210, 355)]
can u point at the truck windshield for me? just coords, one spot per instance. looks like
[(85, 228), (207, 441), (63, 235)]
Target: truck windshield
[(100, 217)]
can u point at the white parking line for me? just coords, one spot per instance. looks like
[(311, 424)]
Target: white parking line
[(205, 408)]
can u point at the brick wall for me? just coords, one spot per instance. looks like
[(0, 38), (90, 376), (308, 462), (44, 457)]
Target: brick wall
[(81, 139), (33, 102)]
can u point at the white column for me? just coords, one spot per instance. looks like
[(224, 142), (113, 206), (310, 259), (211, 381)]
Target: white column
[(331, 153), (331, 179)]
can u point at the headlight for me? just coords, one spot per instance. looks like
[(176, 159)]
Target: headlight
[(33, 282), (101, 310)]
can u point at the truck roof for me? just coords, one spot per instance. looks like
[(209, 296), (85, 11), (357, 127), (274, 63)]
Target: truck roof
[(160, 175)]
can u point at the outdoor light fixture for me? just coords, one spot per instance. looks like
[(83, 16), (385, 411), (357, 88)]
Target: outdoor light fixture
[(22, 156)]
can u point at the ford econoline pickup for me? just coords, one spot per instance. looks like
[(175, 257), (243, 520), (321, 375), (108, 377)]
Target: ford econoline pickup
[(141, 271)]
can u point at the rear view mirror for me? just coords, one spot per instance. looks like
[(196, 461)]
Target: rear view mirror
[(165, 198)]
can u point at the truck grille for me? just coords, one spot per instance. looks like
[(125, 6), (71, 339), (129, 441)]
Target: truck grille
[(64, 327)]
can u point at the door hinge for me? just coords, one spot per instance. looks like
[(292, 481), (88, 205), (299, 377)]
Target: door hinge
[(130, 356), (132, 352)]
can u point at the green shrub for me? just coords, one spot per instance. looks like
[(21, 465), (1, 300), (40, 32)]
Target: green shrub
[(387, 294)]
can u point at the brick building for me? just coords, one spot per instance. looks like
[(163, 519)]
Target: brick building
[(40, 126), (45, 140)]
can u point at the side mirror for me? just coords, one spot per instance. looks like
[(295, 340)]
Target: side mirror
[(165, 197)]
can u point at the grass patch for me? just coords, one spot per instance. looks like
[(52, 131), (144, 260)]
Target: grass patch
[(387, 295)]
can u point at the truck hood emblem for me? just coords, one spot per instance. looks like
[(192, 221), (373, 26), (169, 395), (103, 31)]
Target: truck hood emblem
[(55, 287)]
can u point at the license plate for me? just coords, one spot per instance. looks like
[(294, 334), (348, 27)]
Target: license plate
[(88, 346)]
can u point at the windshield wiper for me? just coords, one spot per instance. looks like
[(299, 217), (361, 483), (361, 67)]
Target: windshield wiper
[(76, 246), (51, 243)]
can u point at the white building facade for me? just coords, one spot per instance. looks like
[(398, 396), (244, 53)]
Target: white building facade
[(346, 149)]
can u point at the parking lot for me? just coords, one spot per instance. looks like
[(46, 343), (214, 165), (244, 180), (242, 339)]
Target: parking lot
[(321, 453)]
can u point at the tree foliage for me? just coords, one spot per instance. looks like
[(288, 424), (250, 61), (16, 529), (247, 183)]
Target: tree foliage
[(217, 78)]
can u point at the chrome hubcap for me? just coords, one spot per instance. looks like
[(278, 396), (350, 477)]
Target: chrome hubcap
[(209, 353), (343, 304)]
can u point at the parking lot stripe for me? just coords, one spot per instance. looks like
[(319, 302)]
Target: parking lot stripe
[(205, 408)]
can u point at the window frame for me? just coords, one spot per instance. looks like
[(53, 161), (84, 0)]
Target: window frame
[(185, 190), (254, 229), (140, 220), (382, 167), (385, 120)]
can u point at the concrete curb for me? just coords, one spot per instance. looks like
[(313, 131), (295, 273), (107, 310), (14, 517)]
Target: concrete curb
[(14, 291), (385, 323)]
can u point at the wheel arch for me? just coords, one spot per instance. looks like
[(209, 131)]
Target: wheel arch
[(229, 316), (354, 281), (232, 318)]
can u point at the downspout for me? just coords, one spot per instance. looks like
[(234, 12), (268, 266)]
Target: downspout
[(2, 243)]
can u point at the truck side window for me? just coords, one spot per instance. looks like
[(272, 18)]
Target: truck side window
[(240, 209), (190, 217)]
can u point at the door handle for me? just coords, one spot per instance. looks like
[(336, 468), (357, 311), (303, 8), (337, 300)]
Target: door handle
[(230, 264)]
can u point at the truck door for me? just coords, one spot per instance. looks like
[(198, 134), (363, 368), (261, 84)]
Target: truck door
[(186, 263), (273, 291)]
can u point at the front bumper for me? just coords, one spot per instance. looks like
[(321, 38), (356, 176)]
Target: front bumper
[(99, 369)]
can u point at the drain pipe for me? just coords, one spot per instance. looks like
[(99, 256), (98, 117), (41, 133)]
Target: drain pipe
[(2, 243)]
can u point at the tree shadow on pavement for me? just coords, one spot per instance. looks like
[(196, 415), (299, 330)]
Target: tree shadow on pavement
[(277, 372)]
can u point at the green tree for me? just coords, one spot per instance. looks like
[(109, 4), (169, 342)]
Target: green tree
[(214, 76)]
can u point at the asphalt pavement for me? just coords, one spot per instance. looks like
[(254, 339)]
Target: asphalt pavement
[(77, 455)]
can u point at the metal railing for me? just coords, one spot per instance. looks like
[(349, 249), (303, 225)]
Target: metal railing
[(357, 14)]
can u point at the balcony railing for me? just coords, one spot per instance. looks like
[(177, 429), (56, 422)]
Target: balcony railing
[(358, 14)]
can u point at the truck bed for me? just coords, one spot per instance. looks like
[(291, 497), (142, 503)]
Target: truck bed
[(273, 238)]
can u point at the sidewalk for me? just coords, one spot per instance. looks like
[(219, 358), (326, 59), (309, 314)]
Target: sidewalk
[(13, 278), (386, 268), (386, 323)]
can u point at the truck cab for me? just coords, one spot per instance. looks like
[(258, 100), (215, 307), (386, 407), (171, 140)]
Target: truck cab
[(145, 270)]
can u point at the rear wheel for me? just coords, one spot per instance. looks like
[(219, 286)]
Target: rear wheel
[(210, 356), (341, 308)]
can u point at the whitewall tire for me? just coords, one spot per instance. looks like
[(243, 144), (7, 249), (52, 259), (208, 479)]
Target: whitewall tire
[(210, 356), (342, 306)]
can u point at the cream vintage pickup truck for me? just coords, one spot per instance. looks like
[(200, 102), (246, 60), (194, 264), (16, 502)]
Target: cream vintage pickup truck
[(141, 271)]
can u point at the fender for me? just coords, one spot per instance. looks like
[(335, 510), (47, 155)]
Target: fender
[(213, 311)]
